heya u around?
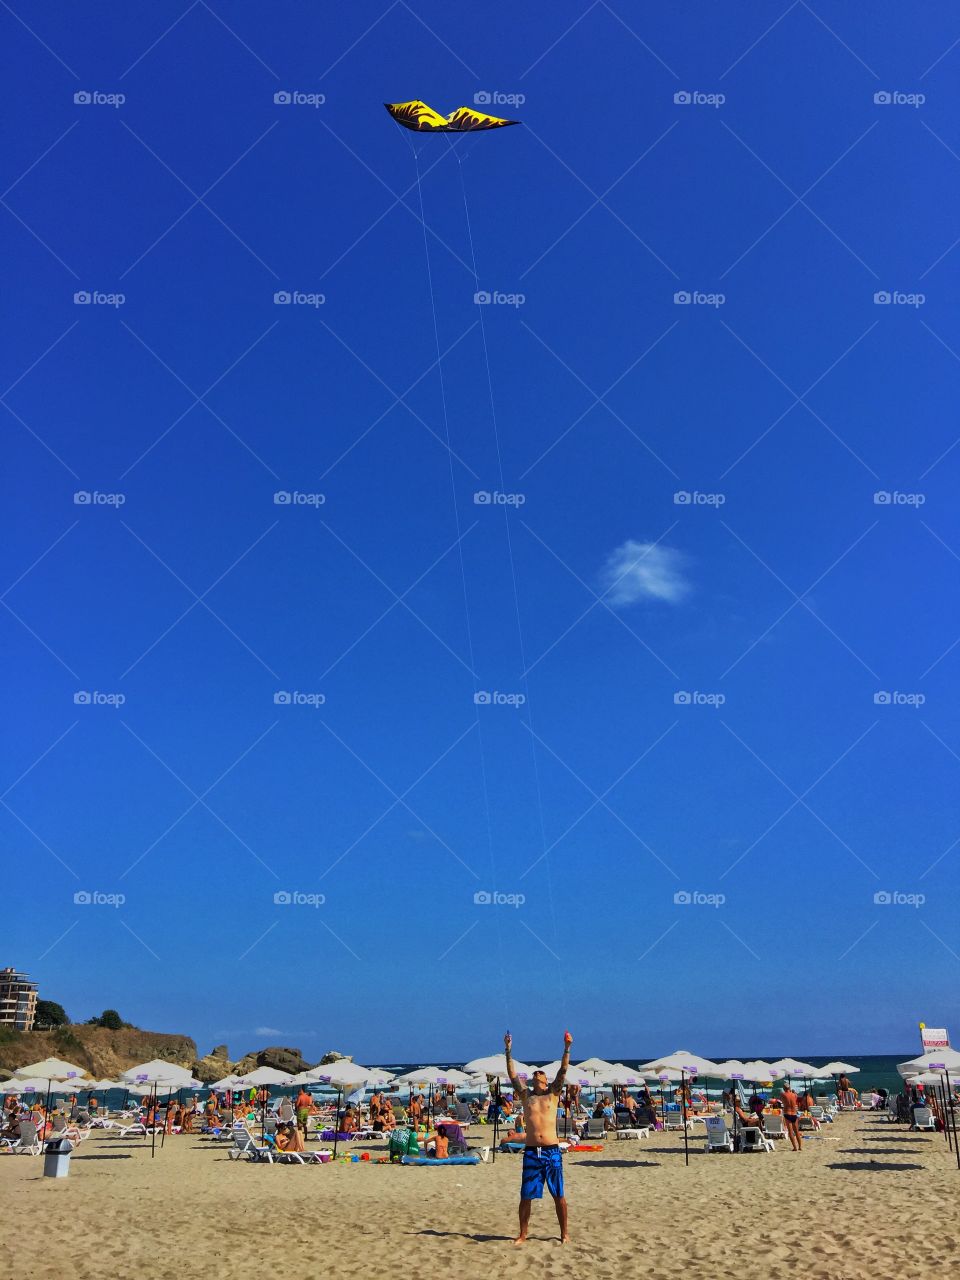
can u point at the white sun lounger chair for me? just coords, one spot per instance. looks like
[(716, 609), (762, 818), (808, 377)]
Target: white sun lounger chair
[(773, 1126), (752, 1139), (718, 1135), (28, 1144), (595, 1130), (923, 1119)]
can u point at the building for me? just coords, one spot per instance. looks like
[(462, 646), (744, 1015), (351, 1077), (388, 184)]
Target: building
[(18, 1000)]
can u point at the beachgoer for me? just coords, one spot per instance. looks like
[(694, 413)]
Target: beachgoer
[(304, 1105), (542, 1161), (791, 1117)]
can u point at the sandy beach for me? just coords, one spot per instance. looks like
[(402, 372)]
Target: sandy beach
[(865, 1200)]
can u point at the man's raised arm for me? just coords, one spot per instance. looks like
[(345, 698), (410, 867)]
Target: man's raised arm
[(518, 1087), (564, 1063)]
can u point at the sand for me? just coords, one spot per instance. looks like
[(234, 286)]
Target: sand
[(867, 1201)]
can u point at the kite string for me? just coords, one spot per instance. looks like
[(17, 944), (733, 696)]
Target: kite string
[(463, 577), (516, 593)]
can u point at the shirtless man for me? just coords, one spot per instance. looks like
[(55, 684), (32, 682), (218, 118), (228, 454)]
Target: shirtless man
[(541, 1155), (791, 1117)]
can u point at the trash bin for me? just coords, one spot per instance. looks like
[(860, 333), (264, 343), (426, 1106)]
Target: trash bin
[(56, 1159)]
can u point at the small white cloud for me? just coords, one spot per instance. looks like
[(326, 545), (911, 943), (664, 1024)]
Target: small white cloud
[(267, 1031), (643, 571)]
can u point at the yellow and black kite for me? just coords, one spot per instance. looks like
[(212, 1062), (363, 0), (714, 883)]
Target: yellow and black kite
[(420, 118)]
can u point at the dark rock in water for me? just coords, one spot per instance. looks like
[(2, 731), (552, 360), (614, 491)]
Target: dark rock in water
[(280, 1058)]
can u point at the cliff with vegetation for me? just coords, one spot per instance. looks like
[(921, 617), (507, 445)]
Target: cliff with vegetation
[(100, 1051)]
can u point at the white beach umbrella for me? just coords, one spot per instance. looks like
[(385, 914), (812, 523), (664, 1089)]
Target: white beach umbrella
[(732, 1069), (932, 1060), (36, 1084), (156, 1070), (793, 1067), (599, 1065), (264, 1076), (627, 1076), (838, 1069), (496, 1065), (683, 1059), (50, 1069), (759, 1072), (342, 1075), (228, 1082)]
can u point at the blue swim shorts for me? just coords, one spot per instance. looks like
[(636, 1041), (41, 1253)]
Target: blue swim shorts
[(541, 1165)]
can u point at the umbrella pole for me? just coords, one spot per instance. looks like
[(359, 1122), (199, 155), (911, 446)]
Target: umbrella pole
[(166, 1121), (496, 1116), (953, 1118), (153, 1127), (46, 1111), (336, 1124), (683, 1107)]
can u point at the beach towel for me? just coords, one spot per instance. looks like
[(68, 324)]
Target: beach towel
[(445, 1160)]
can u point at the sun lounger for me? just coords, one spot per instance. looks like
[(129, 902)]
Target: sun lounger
[(28, 1144), (718, 1135), (773, 1126), (922, 1119), (675, 1120), (752, 1139), (641, 1131), (595, 1129)]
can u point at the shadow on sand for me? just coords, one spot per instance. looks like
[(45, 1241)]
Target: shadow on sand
[(872, 1166)]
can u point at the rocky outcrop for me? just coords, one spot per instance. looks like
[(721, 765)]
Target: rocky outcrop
[(101, 1052), (332, 1056), (214, 1066), (280, 1058)]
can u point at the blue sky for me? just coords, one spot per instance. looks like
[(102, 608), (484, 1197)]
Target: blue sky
[(686, 691)]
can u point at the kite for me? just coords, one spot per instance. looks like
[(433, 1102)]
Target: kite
[(420, 118)]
